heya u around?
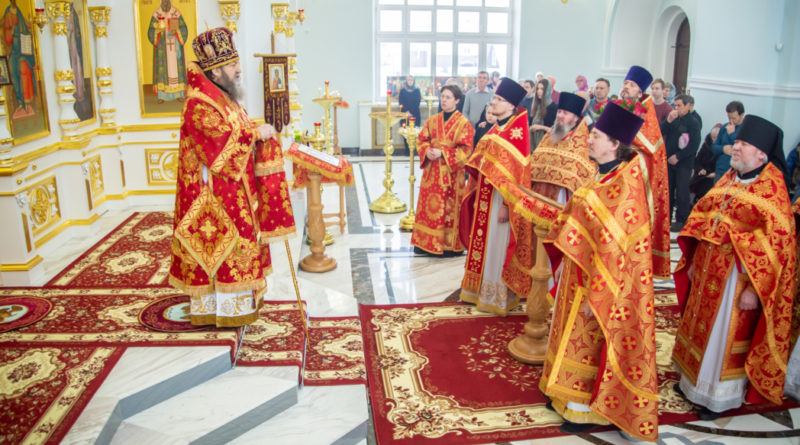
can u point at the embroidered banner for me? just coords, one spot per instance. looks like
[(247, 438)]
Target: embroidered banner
[(276, 90)]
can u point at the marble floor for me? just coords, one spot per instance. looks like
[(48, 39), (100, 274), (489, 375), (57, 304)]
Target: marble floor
[(376, 265)]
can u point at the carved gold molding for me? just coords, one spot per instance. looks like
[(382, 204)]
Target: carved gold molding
[(229, 10), (162, 166), (62, 75), (103, 71), (100, 31), (23, 266), (43, 204), (100, 15)]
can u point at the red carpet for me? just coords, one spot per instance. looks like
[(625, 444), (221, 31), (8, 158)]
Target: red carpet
[(335, 355), (440, 373), (275, 339), (45, 388), (136, 254)]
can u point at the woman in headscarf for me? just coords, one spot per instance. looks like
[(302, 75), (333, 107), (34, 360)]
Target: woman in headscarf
[(542, 114), (580, 82)]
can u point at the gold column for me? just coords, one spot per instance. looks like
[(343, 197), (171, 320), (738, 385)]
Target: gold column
[(410, 133), (388, 201), (229, 10), (100, 16), (59, 11)]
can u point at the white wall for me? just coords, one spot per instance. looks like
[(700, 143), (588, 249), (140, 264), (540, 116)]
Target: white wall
[(336, 44)]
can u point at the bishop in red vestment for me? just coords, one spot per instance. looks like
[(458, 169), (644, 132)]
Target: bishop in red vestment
[(217, 256)]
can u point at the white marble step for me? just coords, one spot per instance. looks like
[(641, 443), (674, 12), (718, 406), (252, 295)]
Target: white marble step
[(324, 415), (142, 378), (216, 411)]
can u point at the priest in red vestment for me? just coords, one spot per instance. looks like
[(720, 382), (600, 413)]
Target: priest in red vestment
[(444, 145), (600, 366), (653, 160), (217, 256), (735, 280), (500, 252)]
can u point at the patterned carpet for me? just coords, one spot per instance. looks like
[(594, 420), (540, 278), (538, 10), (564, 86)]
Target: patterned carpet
[(440, 373)]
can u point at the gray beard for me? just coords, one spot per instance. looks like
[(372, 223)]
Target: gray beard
[(234, 89), (559, 132)]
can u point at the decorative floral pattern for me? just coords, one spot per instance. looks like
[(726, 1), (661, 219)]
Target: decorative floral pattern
[(335, 354)]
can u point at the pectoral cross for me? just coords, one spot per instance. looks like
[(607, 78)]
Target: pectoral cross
[(717, 218)]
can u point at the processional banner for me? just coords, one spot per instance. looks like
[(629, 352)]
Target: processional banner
[(276, 90)]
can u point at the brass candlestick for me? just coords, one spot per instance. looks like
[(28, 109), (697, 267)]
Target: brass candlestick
[(388, 202), (327, 102), (410, 133), (429, 100), (317, 261)]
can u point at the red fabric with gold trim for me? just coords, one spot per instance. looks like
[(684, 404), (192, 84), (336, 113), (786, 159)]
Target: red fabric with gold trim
[(565, 163), (303, 163), (443, 182), (756, 227), (603, 235), (275, 214), (654, 160), (796, 289), (216, 133), (499, 162)]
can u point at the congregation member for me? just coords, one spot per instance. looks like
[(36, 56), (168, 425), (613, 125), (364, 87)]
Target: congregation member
[(601, 89), (498, 260), (444, 145), (222, 270), (527, 102), (581, 84), (485, 125), (681, 131), (600, 366), (409, 98), (735, 280), (661, 105), (669, 93), (543, 113), (553, 92), (723, 146), (477, 98), (654, 163), (704, 176)]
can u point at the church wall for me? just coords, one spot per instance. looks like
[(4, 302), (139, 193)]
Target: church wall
[(562, 40), (336, 44)]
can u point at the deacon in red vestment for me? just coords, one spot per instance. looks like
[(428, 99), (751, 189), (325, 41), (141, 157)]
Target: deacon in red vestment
[(653, 161), (735, 280), (444, 144), (217, 258), (500, 243), (600, 366)]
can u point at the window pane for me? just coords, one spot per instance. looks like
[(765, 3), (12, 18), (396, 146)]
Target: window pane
[(391, 59), (497, 23), (420, 2), (391, 2), (497, 3), (420, 58), (469, 21), (497, 57), (444, 58), (468, 2), (445, 2), (391, 20), (444, 20), (420, 21), (467, 59)]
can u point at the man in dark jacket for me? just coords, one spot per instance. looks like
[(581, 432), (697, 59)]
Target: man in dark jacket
[(681, 132)]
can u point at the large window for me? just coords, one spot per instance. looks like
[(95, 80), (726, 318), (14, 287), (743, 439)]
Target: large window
[(438, 39)]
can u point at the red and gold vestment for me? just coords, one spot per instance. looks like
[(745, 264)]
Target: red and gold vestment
[(216, 244), (748, 226), (602, 350), (443, 182), (563, 164), (499, 162), (654, 164)]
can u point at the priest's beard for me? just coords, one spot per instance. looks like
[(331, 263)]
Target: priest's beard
[(234, 88), (743, 167), (558, 132)]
